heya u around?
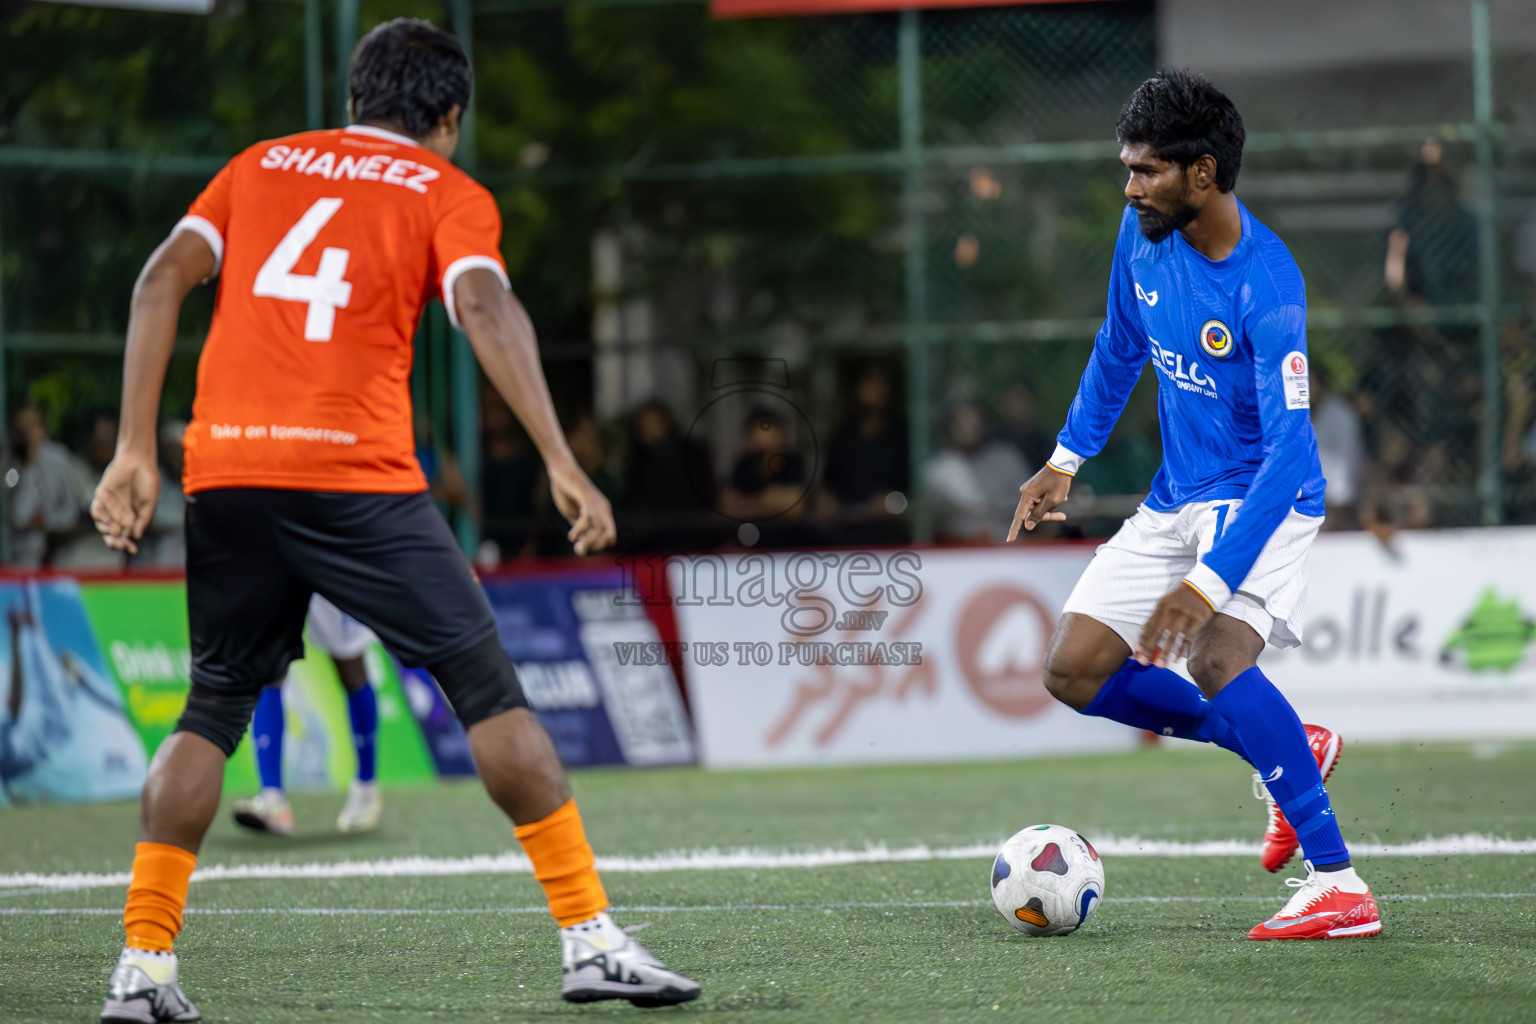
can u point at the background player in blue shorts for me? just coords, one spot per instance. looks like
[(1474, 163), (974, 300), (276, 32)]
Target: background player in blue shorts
[(346, 641), (1214, 562)]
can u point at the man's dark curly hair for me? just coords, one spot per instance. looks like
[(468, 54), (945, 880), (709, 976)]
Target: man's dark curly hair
[(408, 72), (1183, 117)]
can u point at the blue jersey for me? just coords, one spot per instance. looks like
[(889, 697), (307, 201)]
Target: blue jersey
[(1229, 343)]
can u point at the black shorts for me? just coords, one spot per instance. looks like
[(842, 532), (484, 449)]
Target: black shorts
[(255, 555)]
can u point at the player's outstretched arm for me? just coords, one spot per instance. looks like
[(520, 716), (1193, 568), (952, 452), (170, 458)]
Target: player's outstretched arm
[(503, 339), (1038, 497), (124, 502)]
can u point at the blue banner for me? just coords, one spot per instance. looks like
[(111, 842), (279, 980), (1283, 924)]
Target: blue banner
[(65, 736), (562, 631)]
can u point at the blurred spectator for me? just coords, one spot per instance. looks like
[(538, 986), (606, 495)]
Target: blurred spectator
[(585, 436), (1518, 351), (1021, 425), (509, 479), (669, 477), (100, 446), (45, 491), (768, 477), (165, 546), (867, 455), (1427, 380), (1518, 443), (973, 479), (1396, 496), (1340, 449), (86, 550), (1432, 251), (1524, 248), (1420, 390), (445, 480)]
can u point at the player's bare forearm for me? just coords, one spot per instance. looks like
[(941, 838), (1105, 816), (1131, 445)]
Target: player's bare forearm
[(174, 269), (504, 341), (124, 502)]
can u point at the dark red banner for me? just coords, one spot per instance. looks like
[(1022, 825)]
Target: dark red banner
[(803, 8)]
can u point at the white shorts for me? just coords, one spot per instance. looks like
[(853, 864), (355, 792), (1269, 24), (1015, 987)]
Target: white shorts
[(335, 632), (1153, 551)]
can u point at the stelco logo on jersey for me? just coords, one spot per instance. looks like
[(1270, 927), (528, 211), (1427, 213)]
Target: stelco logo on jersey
[(1185, 376), (1216, 339)]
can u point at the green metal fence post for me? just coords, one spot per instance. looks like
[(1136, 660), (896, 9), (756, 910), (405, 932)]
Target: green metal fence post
[(466, 371), (346, 38), (909, 69), (1488, 477), (314, 68), (437, 375), (462, 14), (5, 412)]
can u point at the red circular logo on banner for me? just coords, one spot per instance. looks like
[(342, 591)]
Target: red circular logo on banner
[(1000, 641), (1298, 365)]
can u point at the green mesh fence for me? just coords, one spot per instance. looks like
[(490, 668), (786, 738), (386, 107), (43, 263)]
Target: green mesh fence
[(934, 192)]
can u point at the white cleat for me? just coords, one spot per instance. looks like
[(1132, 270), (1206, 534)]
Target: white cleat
[(143, 990), (363, 809), (601, 961), (267, 811)]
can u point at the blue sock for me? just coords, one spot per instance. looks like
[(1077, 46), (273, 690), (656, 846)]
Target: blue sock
[(363, 706), (1161, 701), (1275, 737), (267, 732)]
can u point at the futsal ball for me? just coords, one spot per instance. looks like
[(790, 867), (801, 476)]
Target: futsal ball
[(1047, 880)]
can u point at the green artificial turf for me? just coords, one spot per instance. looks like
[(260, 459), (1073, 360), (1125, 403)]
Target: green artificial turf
[(902, 942)]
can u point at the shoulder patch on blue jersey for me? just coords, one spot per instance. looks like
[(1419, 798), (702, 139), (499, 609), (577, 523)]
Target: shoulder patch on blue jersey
[(1216, 339), (1293, 376)]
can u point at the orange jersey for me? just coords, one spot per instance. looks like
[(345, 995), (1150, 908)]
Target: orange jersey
[(329, 244)]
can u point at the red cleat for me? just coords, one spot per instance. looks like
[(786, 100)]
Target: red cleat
[(1330, 905), (1279, 838)]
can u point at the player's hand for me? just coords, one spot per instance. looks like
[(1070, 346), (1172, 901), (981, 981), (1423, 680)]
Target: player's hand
[(1170, 633), (125, 499), (584, 507), (1037, 498)]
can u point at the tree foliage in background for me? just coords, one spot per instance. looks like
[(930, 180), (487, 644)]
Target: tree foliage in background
[(91, 79), (570, 100), (581, 113)]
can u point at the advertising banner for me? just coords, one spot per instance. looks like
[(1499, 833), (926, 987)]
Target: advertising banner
[(810, 657), (66, 735), (1433, 637), (839, 657), (318, 751), (793, 658), (143, 628), (563, 631), (93, 677)]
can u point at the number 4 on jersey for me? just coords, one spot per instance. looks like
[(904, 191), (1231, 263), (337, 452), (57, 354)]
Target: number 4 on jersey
[(325, 291)]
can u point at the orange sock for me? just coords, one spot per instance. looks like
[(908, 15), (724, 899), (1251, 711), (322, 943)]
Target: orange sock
[(562, 862), (157, 894)]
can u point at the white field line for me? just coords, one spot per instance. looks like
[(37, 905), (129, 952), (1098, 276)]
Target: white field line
[(825, 908), (750, 859)]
